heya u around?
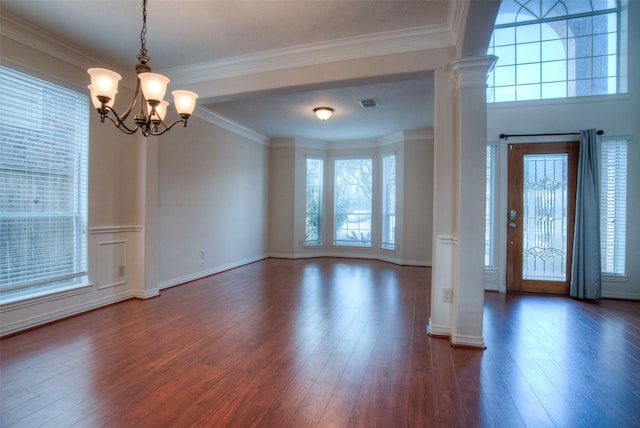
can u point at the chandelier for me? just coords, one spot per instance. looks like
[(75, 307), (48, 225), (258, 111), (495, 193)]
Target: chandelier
[(150, 90)]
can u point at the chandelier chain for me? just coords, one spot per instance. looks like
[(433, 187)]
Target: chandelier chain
[(143, 33)]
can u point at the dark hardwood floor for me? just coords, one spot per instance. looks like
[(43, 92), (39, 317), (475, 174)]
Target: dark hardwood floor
[(324, 343)]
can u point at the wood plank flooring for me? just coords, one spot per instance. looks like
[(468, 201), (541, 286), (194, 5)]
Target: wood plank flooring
[(323, 343)]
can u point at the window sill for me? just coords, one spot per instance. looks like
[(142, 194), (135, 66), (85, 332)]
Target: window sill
[(351, 244), (608, 277), (558, 101), (24, 298)]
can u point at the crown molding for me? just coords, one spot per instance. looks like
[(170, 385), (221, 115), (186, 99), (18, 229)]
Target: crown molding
[(301, 143), (395, 138), (230, 125), (456, 19), (419, 134), (365, 46), (371, 45), (425, 134), (311, 144), (50, 44), (278, 143)]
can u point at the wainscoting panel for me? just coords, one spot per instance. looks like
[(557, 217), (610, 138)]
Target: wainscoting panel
[(111, 263)]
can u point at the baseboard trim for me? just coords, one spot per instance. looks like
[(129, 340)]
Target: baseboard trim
[(464, 341), (381, 257), (620, 296), (455, 340), (145, 294), (208, 272), (440, 331), (48, 318)]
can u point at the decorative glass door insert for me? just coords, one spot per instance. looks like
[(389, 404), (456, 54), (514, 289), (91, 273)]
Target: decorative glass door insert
[(544, 231)]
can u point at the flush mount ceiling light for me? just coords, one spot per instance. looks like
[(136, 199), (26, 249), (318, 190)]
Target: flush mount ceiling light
[(151, 88), (323, 113)]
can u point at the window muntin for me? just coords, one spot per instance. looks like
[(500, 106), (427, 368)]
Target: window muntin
[(613, 206), (44, 134), (389, 201), (353, 181), (554, 50), (313, 202)]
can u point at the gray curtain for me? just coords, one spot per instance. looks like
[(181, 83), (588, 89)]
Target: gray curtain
[(585, 269)]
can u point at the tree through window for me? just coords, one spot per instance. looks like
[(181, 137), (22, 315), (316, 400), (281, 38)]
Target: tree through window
[(353, 201)]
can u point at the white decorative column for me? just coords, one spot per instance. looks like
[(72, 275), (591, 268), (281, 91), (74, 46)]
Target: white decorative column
[(151, 218), (147, 213), (470, 75), (445, 176)]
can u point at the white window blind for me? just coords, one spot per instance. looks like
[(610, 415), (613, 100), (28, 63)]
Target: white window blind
[(389, 201), (613, 206), (43, 182), (490, 203)]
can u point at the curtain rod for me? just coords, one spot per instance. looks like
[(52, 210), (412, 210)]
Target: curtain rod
[(506, 136)]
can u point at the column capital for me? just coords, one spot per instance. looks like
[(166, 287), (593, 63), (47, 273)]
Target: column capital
[(471, 71)]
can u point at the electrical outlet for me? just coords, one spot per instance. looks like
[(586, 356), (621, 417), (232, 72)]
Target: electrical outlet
[(447, 295), (203, 255), (121, 271)]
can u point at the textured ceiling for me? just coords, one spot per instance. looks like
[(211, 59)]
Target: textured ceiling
[(403, 105)]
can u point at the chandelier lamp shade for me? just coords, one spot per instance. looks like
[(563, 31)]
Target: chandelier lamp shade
[(323, 113), (148, 97)]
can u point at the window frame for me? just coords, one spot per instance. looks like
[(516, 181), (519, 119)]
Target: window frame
[(388, 228), (566, 84), (367, 243), (56, 145), (319, 213)]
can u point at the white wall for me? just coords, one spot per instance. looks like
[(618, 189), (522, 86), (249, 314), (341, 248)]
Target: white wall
[(212, 202), (616, 115), (281, 197), (418, 199)]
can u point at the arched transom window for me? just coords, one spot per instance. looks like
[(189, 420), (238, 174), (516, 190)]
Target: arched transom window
[(554, 49)]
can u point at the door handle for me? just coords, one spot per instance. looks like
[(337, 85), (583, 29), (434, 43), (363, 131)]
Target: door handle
[(513, 215)]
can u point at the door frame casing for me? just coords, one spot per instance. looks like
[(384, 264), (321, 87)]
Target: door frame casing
[(514, 281)]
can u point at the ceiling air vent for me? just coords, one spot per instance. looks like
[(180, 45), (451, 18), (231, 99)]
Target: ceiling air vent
[(369, 103)]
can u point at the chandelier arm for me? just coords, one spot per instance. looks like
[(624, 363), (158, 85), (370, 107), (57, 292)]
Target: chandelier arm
[(118, 121), (169, 126), (137, 92)]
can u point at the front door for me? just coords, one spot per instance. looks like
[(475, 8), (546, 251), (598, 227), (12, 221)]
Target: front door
[(541, 211)]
